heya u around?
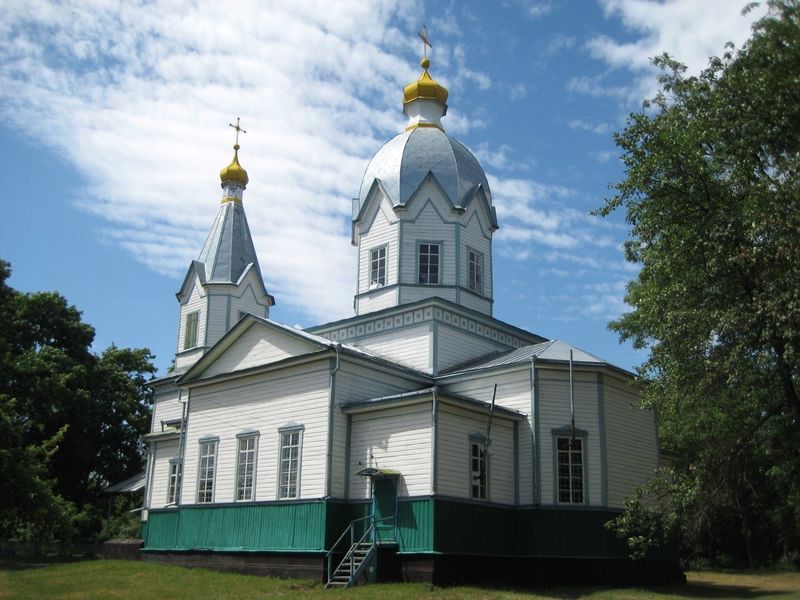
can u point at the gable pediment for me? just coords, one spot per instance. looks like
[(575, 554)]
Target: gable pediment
[(253, 342)]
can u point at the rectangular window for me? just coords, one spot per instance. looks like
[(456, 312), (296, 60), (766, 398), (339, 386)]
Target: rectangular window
[(289, 478), (174, 481), (478, 470), (377, 267), (245, 467), (190, 333), (570, 470), (475, 271), (206, 470), (429, 263)]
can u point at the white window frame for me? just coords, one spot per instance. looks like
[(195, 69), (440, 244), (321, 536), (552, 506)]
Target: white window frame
[(242, 492), (572, 472), (376, 262), (288, 491), (187, 343), (439, 260), (205, 491), (478, 442), (174, 480), (475, 284)]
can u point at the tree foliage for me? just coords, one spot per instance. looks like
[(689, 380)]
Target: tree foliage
[(70, 421), (712, 194)]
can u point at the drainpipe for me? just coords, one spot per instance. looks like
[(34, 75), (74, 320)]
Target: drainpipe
[(534, 432), (331, 405), (434, 436), (182, 443)]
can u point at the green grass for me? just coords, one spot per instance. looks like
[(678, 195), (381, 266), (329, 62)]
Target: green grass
[(137, 580)]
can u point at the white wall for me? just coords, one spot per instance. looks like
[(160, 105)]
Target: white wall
[(353, 383), (554, 411), (631, 444), (397, 438), (454, 428), (163, 452), (409, 346), (263, 402), (430, 219), (514, 392), (258, 346), (165, 406), (455, 347)]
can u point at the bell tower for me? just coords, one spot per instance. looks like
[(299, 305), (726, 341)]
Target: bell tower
[(225, 281)]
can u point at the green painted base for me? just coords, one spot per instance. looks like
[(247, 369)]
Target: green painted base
[(425, 526)]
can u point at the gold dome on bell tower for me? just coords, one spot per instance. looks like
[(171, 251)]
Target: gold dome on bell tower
[(426, 87), (234, 171)]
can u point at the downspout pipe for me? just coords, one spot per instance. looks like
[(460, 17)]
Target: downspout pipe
[(534, 433), (434, 436), (182, 443), (331, 405)]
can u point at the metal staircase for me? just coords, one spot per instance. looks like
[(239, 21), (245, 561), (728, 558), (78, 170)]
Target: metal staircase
[(358, 557)]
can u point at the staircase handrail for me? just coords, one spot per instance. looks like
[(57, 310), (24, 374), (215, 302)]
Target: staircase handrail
[(369, 533)]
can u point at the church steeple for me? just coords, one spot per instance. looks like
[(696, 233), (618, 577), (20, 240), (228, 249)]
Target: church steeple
[(225, 281)]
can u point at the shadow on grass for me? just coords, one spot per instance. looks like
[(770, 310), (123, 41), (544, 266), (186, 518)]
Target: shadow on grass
[(23, 564)]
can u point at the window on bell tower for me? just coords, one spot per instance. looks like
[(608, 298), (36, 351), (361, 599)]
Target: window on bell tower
[(475, 271), (428, 263), (190, 332), (377, 267)]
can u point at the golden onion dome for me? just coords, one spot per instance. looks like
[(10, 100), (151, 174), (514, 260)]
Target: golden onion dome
[(234, 171), (425, 87)]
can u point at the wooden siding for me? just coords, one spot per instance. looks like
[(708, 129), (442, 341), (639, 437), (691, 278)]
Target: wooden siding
[(454, 428), (277, 526), (430, 219), (554, 413), (195, 303), (258, 346), (396, 438), (355, 382), (378, 229), (166, 408), (163, 452), (410, 294), (410, 346), (455, 347), (475, 303), (513, 391), (262, 402), (377, 300), (476, 235), (631, 445)]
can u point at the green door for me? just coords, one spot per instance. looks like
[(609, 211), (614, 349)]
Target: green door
[(384, 507)]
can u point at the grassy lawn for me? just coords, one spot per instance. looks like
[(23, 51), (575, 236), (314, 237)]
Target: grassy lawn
[(136, 580)]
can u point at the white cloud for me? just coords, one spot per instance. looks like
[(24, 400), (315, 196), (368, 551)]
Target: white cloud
[(598, 128), (537, 9), (689, 30), (137, 96)]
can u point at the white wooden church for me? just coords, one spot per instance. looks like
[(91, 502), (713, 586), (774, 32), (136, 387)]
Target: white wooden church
[(421, 439)]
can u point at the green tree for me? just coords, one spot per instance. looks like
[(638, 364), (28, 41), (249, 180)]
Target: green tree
[(71, 420), (712, 194)]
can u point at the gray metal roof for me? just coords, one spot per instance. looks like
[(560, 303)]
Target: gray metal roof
[(229, 246), (131, 485), (553, 350), (405, 160)]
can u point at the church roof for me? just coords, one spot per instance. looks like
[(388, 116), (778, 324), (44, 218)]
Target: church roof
[(551, 351), (405, 160), (229, 246)]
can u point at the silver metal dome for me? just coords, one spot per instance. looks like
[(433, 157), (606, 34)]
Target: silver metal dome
[(404, 161)]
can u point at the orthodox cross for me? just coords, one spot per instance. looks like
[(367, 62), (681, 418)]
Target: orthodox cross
[(238, 129), (423, 34)]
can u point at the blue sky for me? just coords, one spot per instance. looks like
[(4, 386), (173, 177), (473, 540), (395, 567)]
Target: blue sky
[(115, 126)]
